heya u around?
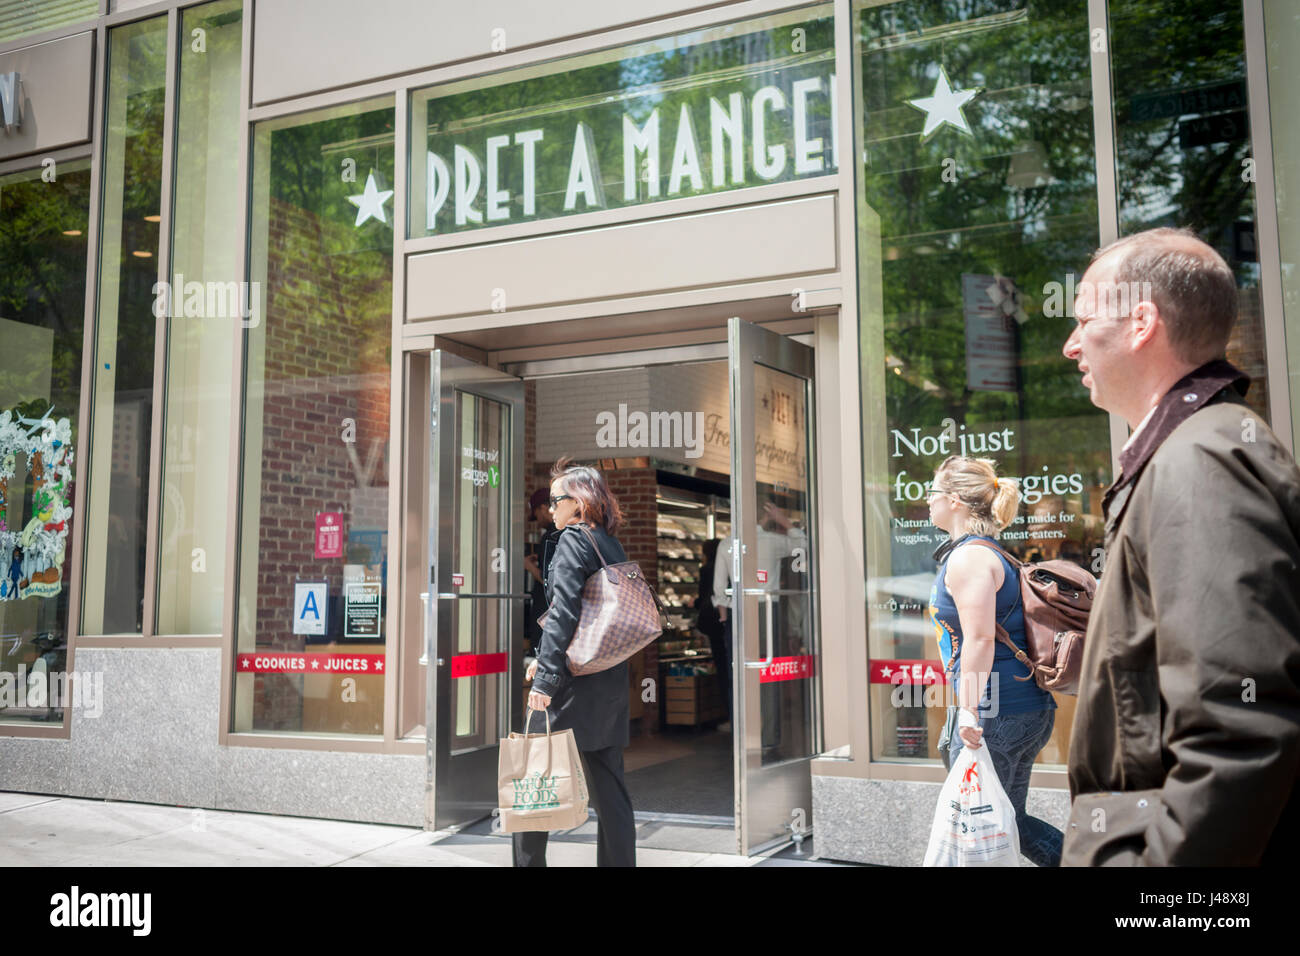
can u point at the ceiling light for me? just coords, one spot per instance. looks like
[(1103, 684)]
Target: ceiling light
[(72, 232), (140, 254), (153, 218)]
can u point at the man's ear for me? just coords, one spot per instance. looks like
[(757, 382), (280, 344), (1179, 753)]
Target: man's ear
[(1145, 321)]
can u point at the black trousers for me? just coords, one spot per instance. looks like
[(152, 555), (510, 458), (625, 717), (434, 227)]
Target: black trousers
[(615, 827), (720, 644)]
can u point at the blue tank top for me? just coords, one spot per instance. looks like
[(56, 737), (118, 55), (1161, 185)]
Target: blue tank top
[(1013, 696)]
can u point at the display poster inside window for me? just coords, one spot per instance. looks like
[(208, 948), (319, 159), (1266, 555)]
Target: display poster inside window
[(362, 603)]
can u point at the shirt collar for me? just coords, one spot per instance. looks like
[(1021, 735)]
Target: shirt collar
[(1187, 396), (1137, 431)]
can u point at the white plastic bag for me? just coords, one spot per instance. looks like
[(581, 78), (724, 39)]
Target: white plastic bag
[(974, 823)]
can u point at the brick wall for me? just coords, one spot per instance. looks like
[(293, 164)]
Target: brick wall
[(328, 326)]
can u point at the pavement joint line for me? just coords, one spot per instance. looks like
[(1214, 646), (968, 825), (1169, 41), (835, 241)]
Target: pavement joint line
[(372, 849), (136, 837), (38, 803), (259, 824)]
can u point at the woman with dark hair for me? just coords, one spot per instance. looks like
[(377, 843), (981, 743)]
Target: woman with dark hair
[(593, 706), (539, 511)]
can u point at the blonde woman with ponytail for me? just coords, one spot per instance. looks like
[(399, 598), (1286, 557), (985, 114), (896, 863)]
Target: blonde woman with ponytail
[(976, 588)]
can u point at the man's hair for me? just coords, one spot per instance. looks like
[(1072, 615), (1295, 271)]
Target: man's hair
[(1193, 288)]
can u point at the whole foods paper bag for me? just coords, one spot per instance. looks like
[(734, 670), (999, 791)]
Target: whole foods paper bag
[(540, 784)]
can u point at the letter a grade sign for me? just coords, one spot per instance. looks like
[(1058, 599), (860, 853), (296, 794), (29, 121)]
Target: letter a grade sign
[(309, 603)]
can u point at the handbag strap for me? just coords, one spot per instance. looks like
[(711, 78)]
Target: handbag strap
[(605, 566), (592, 538)]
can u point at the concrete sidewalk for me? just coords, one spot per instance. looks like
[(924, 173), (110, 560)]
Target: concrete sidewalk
[(42, 830)]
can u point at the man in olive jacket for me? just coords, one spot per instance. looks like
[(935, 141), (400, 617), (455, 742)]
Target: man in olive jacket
[(1185, 748)]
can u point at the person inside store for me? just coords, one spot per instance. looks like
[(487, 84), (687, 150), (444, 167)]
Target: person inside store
[(539, 510), (977, 588), (593, 706), (778, 539), (710, 625)]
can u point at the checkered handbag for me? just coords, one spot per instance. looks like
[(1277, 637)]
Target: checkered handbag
[(620, 615)]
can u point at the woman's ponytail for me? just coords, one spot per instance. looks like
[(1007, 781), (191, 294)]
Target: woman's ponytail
[(993, 501), (1006, 501)]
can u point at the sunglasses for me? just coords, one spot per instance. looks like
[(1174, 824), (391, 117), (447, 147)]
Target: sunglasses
[(556, 499)]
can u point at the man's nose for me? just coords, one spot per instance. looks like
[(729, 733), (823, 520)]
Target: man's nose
[(1071, 347)]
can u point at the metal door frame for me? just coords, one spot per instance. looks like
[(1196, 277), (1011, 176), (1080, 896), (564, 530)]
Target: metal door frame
[(790, 780), (466, 792)]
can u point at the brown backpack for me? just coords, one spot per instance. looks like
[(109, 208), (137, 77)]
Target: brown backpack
[(1057, 596)]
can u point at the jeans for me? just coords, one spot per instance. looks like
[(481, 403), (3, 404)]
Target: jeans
[(1014, 741)]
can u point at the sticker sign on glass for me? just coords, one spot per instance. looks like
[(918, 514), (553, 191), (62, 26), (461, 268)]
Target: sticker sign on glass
[(329, 534), (309, 605), (361, 609)]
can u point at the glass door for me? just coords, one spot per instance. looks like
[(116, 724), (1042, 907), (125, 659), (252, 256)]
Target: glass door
[(777, 722), (471, 602)]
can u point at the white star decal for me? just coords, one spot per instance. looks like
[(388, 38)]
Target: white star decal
[(379, 665), (370, 203), (315, 665), (944, 106), (244, 662), (885, 672)]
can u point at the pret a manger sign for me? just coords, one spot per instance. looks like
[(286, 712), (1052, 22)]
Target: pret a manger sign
[(572, 143)]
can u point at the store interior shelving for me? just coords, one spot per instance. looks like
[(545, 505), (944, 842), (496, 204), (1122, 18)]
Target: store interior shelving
[(686, 520)]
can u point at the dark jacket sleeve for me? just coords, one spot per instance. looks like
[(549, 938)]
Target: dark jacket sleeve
[(1224, 565), (568, 575)]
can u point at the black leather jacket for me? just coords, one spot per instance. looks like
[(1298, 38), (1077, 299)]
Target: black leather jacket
[(594, 706)]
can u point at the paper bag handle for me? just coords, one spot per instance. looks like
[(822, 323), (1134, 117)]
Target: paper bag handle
[(528, 714)]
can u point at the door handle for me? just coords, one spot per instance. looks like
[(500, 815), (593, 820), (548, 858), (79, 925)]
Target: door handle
[(767, 597), (424, 628), (460, 595)]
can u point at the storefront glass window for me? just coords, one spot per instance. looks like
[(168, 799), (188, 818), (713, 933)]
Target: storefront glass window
[(1282, 35), (206, 306), (722, 108), (1183, 140), (44, 220), (315, 480), (977, 214), (122, 400)]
